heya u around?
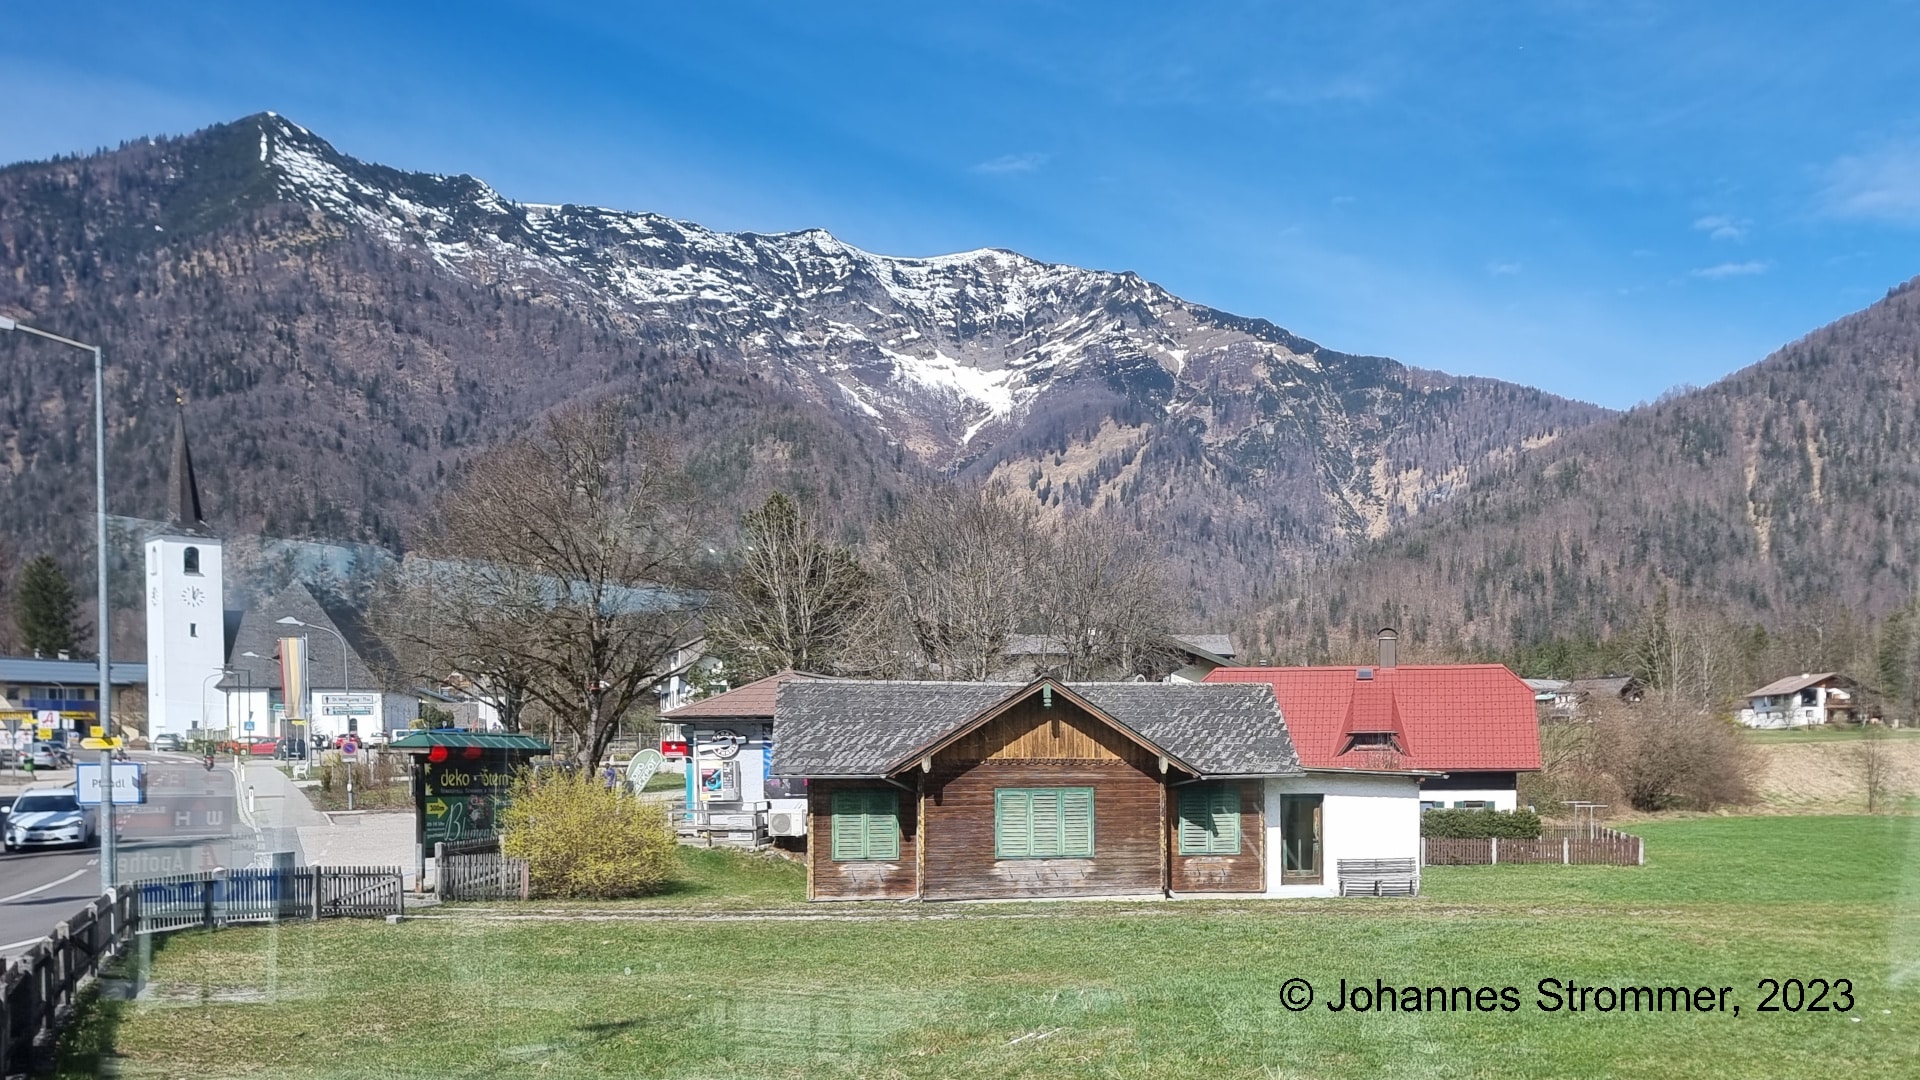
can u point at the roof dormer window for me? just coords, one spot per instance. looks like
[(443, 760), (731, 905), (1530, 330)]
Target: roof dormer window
[(1372, 740)]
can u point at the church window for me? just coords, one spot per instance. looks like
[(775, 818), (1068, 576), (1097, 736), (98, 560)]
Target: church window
[(192, 560)]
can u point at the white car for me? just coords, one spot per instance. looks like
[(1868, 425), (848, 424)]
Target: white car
[(44, 817), (48, 755)]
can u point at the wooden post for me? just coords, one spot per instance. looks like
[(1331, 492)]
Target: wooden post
[(1496, 851), (1566, 851)]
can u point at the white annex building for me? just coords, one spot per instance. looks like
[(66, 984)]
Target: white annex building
[(186, 609)]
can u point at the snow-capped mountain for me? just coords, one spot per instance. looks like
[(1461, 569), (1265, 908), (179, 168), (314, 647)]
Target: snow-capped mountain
[(395, 319), (948, 354)]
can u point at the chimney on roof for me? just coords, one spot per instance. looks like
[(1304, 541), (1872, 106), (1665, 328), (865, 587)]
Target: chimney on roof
[(1389, 646)]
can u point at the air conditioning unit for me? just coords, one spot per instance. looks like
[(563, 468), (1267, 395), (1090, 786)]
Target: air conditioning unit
[(787, 823)]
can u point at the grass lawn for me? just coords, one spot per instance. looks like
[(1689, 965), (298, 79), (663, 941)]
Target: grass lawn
[(1827, 733), (666, 781), (1122, 989)]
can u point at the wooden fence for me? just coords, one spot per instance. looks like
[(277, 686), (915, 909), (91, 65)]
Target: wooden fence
[(225, 897), (1597, 846), (39, 987), (477, 871)]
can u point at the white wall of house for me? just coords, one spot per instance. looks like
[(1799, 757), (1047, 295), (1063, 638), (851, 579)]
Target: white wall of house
[(373, 711), (1494, 798), (1786, 710), (1363, 816)]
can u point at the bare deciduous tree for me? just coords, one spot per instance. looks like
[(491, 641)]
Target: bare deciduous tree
[(961, 575), (1104, 598), (559, 568), (796, 601), (968, 572)]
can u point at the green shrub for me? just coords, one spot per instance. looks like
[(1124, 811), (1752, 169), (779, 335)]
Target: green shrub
[(1481, 824), (584, 840)]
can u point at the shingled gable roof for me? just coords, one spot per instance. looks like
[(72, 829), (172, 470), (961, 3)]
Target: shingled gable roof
[(865, 728), (754, 701)]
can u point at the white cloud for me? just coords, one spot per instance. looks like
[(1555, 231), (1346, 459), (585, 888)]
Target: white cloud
[(1012, 163), (1883, 185), (1723, 226), (1732, 269), (1503, 269)]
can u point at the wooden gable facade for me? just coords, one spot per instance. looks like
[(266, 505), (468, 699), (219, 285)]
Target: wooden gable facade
[(1041, 797)]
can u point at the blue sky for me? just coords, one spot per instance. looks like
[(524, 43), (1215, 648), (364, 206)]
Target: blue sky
[(1602, 199)]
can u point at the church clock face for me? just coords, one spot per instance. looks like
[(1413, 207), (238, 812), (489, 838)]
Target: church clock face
[(193, 596)]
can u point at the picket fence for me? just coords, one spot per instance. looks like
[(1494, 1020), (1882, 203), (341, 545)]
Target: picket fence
[(1595, 846), (226, 897), (476, 870)]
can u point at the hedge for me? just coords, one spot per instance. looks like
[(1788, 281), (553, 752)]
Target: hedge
[(1480, 824)]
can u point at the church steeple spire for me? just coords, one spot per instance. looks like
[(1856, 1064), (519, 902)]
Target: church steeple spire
[(183, 490)]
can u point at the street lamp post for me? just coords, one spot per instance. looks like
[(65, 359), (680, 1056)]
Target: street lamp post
[(100, 553), (346, 688)]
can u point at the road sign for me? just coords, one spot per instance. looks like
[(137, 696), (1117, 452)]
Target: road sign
[(97, 732), (97, 743), (129, 783), (45, 733), (249, 725), (348, 704)]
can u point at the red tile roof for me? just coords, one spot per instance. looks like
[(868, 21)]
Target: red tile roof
[(750, 702), (1460, 717)]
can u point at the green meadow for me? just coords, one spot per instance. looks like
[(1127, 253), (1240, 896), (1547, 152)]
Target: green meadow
[(731, 975)]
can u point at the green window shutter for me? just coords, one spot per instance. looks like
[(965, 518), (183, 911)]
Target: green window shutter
[(1210, 819), (866, 825), (883, 825), (1224, 810), (849, 828), (1012, 824), (1076, 822), (1196, 821), (1043, 823), (1046, 823)]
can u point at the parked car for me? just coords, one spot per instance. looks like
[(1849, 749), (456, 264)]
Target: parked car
[(167, 740), (43, 817), (374, 738), (48, 755)]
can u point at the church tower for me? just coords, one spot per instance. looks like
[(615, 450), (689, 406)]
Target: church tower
[(186, 608)]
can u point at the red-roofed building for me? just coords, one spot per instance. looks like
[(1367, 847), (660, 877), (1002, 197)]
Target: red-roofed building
[(1476, 723)]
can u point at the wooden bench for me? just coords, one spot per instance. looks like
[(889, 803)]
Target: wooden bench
[(1379, 877)]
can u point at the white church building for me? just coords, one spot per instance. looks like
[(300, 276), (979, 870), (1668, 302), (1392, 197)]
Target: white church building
[(218, 671), (186, 609)]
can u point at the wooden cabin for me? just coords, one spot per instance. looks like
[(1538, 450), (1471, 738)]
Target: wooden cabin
[(963, 791)]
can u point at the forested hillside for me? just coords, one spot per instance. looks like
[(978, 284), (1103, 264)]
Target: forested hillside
[(1784, 499)]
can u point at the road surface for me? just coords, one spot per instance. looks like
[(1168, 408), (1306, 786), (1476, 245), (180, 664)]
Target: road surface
[(189, 824)]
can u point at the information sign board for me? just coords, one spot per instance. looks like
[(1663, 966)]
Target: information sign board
[(129, 783), (462, 800)]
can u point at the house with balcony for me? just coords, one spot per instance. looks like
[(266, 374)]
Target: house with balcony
[(1803, 701)]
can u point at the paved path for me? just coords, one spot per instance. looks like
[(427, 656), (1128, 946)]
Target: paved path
[(377, 838)]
